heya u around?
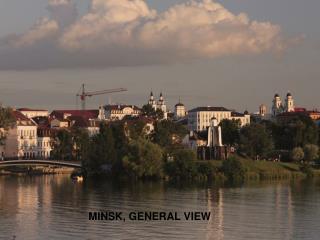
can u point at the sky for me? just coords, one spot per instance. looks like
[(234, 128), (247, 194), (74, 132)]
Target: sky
[(232, 53)]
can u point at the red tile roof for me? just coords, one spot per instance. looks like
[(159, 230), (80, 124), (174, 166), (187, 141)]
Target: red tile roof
[(87, 114), (19, 117)]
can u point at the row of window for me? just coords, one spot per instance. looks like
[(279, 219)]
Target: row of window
[(34, 154), (43, 144), (31, 133)]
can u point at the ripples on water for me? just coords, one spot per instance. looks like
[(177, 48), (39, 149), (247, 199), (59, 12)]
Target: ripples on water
[(54, 207)]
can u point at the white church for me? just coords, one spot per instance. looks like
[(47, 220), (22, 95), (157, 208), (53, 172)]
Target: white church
[(278, 107), (160, 104)]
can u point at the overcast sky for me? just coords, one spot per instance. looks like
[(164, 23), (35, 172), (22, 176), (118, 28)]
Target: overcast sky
[(232, 53)]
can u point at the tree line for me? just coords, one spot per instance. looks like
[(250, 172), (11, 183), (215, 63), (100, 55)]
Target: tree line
[(294, 140)]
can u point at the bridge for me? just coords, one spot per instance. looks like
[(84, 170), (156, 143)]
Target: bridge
[(40, 163)]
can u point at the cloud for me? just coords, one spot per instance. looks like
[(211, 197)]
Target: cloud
[(44, 29), (63, 11), (129, 33)]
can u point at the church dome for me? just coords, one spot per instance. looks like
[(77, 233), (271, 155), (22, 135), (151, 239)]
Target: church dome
[(289, 94), (246, 112), (179, 105), (276, 95)]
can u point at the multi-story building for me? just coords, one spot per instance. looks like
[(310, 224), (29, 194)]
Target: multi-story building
[(21, 139), (44, 142), (244, 118), (85, 119), (118, 112), (199, 118)]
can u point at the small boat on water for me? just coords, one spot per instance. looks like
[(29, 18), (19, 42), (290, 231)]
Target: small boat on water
[(77, 177)]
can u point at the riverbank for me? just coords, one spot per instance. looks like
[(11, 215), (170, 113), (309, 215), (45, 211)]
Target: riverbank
[(20, 171), (268, 170)]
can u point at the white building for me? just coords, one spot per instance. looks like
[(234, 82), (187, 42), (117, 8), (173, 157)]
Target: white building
[(199, 119), (160, 104), (278, 107), (118, 112), (179, 110), (244, 118), (44, 145), (31, 113), (21, 140)]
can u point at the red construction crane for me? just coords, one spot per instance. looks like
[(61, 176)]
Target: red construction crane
[(83, 95)]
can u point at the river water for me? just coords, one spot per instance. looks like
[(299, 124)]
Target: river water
[(54, 207)]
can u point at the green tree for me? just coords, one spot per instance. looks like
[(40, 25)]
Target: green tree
[(149, 111), (183, 166), (63, 145), (297, 132), (81, 142), (233, 169), (102, 153), (230, 131), (136, 129), (121, 143), (311, 152), (255, 140), (168, 133), (143, 160), (6, 121), (297, 154)]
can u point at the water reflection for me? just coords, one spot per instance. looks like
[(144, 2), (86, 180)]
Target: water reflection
[(54, 207)]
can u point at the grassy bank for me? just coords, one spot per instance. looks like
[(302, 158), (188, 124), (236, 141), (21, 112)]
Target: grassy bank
[(42, 170), (266, 170)]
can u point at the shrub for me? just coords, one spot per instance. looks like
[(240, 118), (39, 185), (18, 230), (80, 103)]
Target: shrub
[(143, 160), (234, 170), (311, 152), (183, 166), (297, 154), (207, 170)]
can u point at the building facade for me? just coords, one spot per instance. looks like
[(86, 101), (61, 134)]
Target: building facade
[(199, 118), (179, 110), (21, 139), (118, 112), (244, 118)]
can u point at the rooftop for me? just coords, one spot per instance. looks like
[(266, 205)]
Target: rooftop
[(31, 110), (210, 109), (120, 107), (87, 114), (22, 119)]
